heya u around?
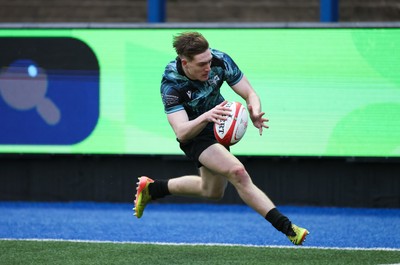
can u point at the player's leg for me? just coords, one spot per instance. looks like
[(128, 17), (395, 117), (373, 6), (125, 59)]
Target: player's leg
[(219, 166), (217, 159), (213, 184), (208, 185)]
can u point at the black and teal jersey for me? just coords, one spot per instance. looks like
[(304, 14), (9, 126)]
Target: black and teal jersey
[(178, 92)]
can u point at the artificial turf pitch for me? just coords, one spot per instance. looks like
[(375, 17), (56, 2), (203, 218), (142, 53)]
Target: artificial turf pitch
[(67, 252)]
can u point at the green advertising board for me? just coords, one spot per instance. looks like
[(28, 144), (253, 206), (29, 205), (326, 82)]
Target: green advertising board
[(326, 91)]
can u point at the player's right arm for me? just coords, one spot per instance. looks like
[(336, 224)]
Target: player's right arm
[(186, 129)]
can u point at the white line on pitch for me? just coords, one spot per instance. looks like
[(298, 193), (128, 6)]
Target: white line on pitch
[(199, 244)]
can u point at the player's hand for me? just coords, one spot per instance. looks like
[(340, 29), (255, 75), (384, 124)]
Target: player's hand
[(258, 120), (218, 113)]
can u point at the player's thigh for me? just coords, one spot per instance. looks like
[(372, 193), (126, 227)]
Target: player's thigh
[(219, 160), (212, 181)]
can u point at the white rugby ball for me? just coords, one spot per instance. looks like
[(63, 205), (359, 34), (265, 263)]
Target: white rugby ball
[(230, 131)]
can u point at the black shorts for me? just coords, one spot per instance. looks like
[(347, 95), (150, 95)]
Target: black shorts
[(197, 145)]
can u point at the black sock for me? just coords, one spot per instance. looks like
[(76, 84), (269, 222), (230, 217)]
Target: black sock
[(159, 189), (280, 222)]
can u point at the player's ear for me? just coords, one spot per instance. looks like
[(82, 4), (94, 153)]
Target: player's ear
[(184, 61)]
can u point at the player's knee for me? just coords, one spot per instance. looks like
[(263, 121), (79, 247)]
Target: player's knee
[(239, 175)]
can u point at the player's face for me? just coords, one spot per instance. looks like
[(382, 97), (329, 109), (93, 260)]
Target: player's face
[(199, 67)]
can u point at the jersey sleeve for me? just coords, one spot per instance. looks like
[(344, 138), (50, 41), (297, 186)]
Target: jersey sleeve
[(170, 96), (232, 72)]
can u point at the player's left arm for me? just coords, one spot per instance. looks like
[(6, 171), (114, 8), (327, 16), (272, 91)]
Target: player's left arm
[(246, 91)]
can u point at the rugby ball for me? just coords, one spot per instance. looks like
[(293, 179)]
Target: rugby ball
[(231, 130)]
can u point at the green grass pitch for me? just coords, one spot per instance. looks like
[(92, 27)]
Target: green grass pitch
[(67, 252)]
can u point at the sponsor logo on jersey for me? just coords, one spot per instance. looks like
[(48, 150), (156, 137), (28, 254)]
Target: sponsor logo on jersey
[(214, 81)]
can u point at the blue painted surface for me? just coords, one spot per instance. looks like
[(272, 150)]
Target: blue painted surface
[(197, 223)]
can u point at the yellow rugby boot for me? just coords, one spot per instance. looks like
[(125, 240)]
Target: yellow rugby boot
[(142, 196), (300, 236)]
